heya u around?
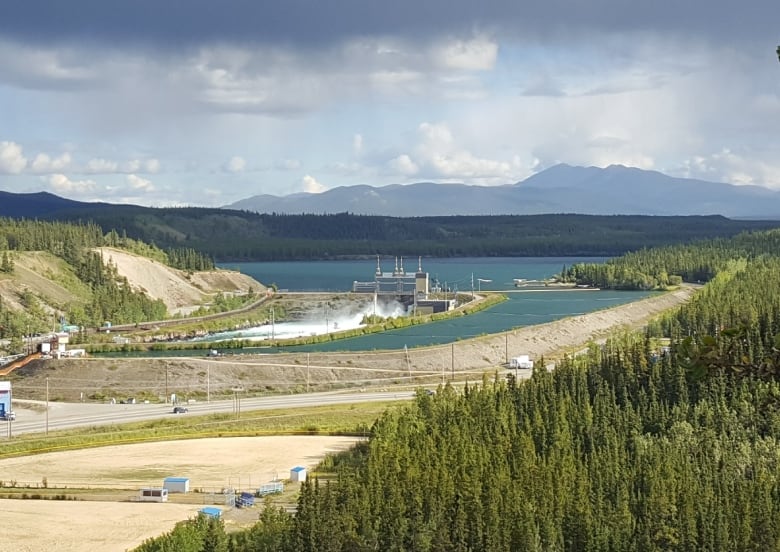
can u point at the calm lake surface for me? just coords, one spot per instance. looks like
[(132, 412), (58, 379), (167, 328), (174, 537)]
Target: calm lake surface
[(488, 274)]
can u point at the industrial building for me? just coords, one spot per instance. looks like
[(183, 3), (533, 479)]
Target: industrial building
[(408, 288)]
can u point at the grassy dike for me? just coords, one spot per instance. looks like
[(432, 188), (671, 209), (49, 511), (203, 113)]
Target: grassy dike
[(356, 419)]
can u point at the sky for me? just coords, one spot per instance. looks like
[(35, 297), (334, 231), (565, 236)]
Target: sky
[(205, 102)]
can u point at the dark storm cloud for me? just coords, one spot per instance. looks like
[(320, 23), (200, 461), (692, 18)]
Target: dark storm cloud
[(172, 23)]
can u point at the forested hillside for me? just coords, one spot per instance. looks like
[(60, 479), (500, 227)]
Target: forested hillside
[(229, 235), (634, 446), (51, 270), (658, 268)]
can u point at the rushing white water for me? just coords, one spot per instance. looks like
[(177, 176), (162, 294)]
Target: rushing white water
[(313, 323)]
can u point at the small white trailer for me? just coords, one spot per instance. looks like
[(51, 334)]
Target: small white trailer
[(522, 361)]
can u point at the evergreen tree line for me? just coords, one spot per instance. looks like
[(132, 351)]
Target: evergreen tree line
[(70, 241), (229, 235), (659, 268), (632, 447)]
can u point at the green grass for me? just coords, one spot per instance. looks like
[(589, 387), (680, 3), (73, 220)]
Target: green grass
[(355, 419)]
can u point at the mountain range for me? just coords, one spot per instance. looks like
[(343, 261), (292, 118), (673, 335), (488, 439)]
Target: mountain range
[(560, 189), (614, 190)]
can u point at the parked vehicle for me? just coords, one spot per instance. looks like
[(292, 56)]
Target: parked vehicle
[(9, 416), (179, 409)]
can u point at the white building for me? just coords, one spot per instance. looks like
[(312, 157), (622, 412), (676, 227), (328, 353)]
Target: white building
[(298, 474)]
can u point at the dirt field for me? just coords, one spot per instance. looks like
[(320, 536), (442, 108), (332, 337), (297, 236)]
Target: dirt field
[(210, 464)]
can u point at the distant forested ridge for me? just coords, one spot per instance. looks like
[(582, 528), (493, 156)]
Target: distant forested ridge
[(227, 235), (658, 268), (635, 446)]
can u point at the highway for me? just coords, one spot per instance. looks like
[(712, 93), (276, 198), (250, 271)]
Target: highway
[(31, 416)]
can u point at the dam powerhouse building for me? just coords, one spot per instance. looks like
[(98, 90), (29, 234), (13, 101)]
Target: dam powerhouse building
[(409, 288)]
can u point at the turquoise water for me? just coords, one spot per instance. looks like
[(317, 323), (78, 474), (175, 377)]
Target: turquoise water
[(455, 272), (523, 308)]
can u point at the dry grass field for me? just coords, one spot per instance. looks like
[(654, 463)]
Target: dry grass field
[(210, 464)]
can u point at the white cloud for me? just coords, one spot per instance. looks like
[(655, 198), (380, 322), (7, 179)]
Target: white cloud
[(62, 184), (101, 166), (43, 164), (310, 185), (440, 157), (44, 66), (138, 183), (131, 166), (478, 54), (12, 160), (734, 168), (152, 166), (357, 144), (235, 164), (404, 165), (289, 165)]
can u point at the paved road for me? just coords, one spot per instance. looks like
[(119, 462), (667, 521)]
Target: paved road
[(31, 417)]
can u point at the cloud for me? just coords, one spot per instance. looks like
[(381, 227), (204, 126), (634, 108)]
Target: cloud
[(439, 156), (256, 23), (44, 67), (404, 165), (733, 167), (310, 185), (288, 165), (138, 183), (235, 164), (152, 166), (101, 166), (43, 164), (137, 165), (478, 54), (131, 166), (62, 184), (12, 160), (357, 144)]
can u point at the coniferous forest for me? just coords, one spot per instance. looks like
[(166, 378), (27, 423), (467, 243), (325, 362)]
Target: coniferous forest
[(109, 296), (635, 446)]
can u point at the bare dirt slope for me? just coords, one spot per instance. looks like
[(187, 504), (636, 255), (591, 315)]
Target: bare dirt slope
[(179, 291)]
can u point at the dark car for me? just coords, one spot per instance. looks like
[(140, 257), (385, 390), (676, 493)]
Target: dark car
[(179, 409)]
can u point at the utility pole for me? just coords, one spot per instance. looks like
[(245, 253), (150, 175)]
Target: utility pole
[(47, 406), (208, 383), (453, 361), (307, 372)]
